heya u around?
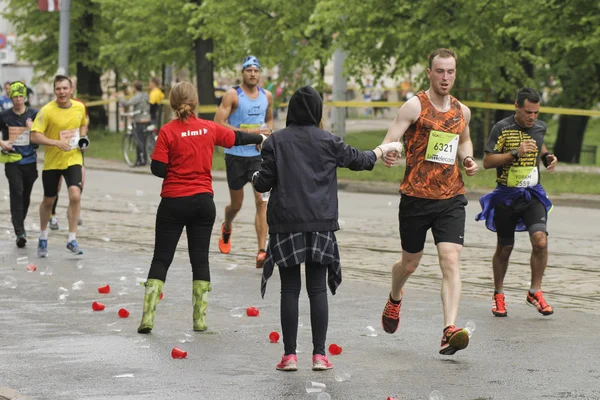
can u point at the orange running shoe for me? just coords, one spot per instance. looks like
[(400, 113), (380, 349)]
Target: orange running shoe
[(224, 242), (390, 319), (261, 257), (499, 305), (454, 339), (537, 300)]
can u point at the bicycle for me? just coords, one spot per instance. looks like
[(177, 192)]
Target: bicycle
[(130, 140)]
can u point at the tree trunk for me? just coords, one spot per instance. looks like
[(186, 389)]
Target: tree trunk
[(499, 115), (204, 72), (204, 75), (322, 64), (88, 88), (88, 81), (571, 129)]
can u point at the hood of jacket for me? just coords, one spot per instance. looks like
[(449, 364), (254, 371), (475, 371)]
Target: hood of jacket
[(305, 107)]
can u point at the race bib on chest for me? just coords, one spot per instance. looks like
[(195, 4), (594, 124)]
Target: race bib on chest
[(442, 147), (522, 176), (18, 135), (71, 137), (250, 126)]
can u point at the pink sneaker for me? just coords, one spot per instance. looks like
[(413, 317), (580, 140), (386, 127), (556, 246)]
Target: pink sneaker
[(321, 363), (288, 363)]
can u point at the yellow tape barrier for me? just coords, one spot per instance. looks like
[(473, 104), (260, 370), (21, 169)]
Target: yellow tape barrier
[(472, 104), (380, 104)]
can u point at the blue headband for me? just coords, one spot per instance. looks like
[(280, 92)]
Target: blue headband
[(249, 62)]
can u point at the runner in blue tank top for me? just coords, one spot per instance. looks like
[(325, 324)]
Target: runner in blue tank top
[(246, 108)]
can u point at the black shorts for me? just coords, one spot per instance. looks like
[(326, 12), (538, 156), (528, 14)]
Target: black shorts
[(445, 218), (532, 212), (240, 170), (51, 177)]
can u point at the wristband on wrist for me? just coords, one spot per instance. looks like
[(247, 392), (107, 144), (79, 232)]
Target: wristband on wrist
[(465, 159), (382, 152)]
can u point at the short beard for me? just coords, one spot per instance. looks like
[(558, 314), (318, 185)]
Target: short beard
[(250, 85)]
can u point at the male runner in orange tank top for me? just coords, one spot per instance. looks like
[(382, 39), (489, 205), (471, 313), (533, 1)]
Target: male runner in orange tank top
[(435, 128)]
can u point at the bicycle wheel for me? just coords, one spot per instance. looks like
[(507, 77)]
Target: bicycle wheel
[(150, 143), (129, 149)]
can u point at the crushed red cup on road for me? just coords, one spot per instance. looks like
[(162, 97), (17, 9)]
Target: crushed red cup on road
[(274, 337), (334, 349), (98, 306), (161, 296), (123, 313), (252, 312), (104, 289), (31, 268), (178, 353), (392, 398)]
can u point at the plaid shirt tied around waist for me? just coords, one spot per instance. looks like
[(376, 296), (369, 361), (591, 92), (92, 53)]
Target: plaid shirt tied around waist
[(289, 249)]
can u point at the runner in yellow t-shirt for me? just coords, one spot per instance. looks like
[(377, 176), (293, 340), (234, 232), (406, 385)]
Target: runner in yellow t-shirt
[(59, 126), (156, 97)]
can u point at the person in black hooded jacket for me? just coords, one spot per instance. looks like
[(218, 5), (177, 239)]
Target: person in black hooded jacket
[(299, 168)]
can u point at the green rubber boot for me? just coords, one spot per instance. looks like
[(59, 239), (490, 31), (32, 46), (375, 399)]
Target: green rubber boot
[(200, 301), (153, 290)]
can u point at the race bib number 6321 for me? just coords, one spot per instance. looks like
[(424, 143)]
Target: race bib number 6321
[(442, 147)]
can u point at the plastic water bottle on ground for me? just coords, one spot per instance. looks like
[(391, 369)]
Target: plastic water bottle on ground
[(186, 338), (371, 331), (315, 387), (23, 260), (63, 293), (142, 343), (237, 312), (342, 376), (470, 327), (10, 282), (115, 327), (77, 285), (436, 395)]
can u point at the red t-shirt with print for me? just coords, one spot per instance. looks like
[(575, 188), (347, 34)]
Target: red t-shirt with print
[(187, 149)]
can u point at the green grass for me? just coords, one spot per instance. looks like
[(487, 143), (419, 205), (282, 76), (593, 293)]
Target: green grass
[(107, 145)]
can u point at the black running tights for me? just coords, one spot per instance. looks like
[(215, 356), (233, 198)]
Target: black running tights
[(316, 286), (197, 213)]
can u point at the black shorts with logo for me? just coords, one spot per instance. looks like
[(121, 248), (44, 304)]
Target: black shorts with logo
[(240, 170), (51, 177), (532, 212), (445, 218)]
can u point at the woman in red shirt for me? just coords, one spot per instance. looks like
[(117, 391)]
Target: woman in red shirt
[(183, 157)]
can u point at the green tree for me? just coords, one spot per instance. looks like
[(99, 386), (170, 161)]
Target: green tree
[(565, 34), (392, 37), (150, 34), (278, 32), (145, 35), (38, 34), (501, 45)]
